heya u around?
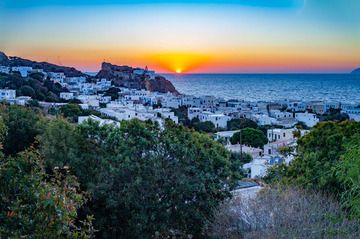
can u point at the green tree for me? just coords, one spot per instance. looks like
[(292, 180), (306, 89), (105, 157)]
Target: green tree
[(23, 126), (58, 143), (146, 182), (71, 111), (27, 91), (348, 173), (113, 92), (319, 153), (242, 123), (32, 205), (253, 137), (207, 126)]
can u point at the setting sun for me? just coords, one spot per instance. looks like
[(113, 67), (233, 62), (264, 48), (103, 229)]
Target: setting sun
[(178, 71)]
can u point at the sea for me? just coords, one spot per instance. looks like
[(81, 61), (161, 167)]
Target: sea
[(343, 88)]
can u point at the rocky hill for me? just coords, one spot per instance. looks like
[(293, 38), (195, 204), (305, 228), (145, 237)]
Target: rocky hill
[(123, 76), (47, 67), (356, 71)]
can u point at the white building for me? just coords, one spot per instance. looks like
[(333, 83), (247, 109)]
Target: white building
[(219, 120), (166, 113), (4, 69), (191, 101), (194, 113), (22, 100), (90, 100), (171, 102), (254, 152), (23, 70), (58, 77), (309, 119), (7, 94), (262, 119), (103, 84), (277, 114), (67, 95), (225, 135), (102, 122), (280, 134), (259, 166)]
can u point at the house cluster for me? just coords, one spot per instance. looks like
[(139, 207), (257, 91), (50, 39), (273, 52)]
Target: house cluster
[(144, 105), (271, 154)]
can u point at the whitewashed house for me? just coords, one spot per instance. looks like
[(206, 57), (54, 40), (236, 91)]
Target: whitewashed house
[(7, 95), (166, 113), (262, 119), (4, 69), (23, 70), (194, 113), (280, 134), (102, 122), (171, 102), (58, 77), (309, 119), (67, 95), (277, 114), (225, 135), (219, 120), (103, 84), (253, 152)]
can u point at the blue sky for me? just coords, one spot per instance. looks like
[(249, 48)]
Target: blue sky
[(197, 36)]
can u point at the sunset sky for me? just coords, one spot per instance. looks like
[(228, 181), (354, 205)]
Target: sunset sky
[(245, 36)]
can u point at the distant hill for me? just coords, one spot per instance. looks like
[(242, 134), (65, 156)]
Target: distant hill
[(120, 75), (356, 71), (123, 76), (47, 67)]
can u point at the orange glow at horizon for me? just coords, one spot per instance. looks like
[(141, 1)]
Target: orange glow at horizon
[(179, 62)]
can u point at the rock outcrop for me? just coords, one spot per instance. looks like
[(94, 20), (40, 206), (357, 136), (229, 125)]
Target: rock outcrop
[(356, 71), (123, 76), (47, 67)]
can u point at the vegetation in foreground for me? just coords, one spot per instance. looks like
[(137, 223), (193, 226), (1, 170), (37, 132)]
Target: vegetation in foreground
[(64, 180)]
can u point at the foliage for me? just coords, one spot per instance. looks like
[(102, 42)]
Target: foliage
[(71, 111), (286, 150), (348, 173), (23, 126), (207, 126), (58, 143), (145, 182), (182, 115), (328, 161), (253, 137), (35, 206), (283, 212), (113, 92), (334, 115), (34, 86), (236, 124), (319, 154)]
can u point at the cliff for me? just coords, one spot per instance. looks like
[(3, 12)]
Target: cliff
[(47, 67), (356, 71), (123, 76)]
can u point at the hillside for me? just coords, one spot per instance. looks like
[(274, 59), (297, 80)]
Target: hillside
[(123, 76), (47, 67), (35, 86), (356, 71)]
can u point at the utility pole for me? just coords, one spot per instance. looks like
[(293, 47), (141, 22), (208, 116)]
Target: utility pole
[(240, 141)]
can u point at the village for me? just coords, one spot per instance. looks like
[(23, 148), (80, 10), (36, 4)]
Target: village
[(283, 116)]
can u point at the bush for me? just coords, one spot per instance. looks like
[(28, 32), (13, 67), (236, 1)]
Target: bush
[(253, 137), (282, 212)]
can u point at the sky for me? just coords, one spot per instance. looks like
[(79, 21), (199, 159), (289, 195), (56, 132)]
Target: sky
[(203, 36)]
